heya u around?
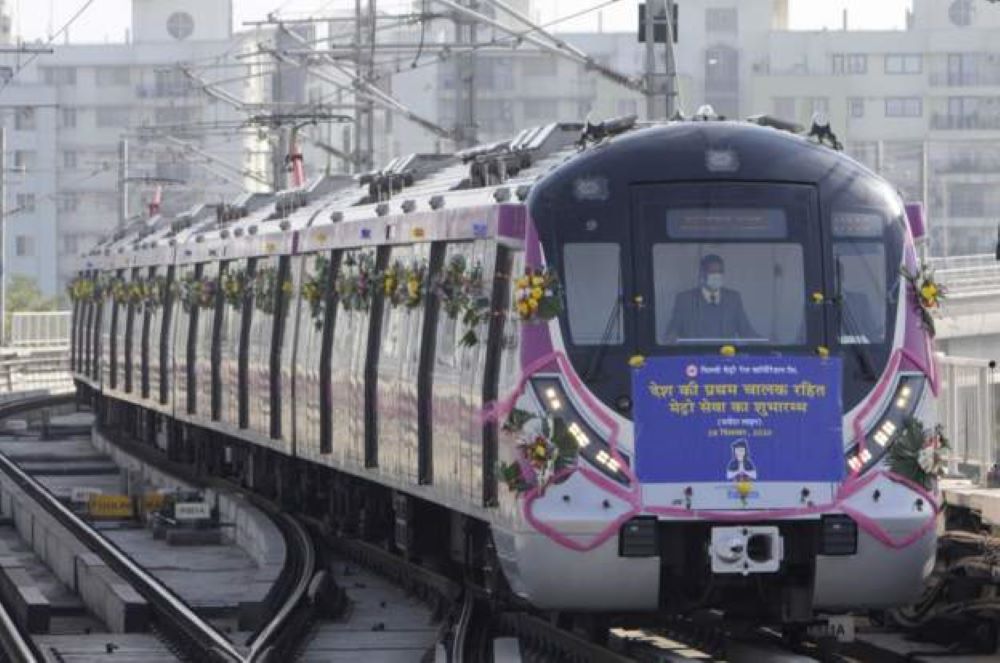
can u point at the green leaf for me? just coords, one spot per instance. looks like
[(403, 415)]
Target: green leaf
[(516, 420)]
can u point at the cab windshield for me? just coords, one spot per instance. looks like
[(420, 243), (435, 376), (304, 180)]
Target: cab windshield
[(720, 293)]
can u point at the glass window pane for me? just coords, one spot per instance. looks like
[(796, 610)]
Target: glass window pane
[(861, 271), (593, 293), (709, 293)]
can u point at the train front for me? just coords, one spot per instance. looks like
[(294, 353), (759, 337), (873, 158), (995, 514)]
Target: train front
[(732, 407)]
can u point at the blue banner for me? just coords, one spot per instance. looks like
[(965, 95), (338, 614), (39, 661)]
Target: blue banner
[(722, 419)]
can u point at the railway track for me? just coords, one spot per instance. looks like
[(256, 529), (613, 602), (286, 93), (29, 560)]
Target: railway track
[(189, 636), (472, 618)]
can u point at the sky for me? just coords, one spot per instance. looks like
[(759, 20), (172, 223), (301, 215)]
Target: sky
[(108, 20)]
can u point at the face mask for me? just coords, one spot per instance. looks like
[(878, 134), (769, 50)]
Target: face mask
[(714, 281)]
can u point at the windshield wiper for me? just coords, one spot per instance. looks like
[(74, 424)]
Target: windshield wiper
[(597, 354)]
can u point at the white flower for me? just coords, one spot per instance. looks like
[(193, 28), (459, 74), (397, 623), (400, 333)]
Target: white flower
[(926, 459)]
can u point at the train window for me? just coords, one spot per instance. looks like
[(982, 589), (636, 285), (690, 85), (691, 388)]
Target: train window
[(593, 293), (861, 284), (709, 293)]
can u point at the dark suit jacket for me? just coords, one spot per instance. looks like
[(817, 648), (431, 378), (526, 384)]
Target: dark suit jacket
[(694, 317)]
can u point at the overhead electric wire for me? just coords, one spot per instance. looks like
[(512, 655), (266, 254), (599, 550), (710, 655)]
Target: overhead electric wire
[(20, 67)]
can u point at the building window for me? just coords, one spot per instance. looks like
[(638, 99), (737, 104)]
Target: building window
[(540, 65), (540, 109), (112, 76), (967, 200), (963, 68), (721, 19), (68, 201), (180, 25), (70, 243), (818, 105), (784, 107), (850, 63), (172, 83), (69, 159), (24, 119), (113, 116), (856, 107), (175, 115), (961, 12), (26, 202), (903, 107), (67, 118), (25, 159), (59, 75), (24, 246), (903, 63), (628, 107)]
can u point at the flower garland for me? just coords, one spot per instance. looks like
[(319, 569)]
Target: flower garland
[(156, 291), (82, 289), (544, 448), (463, 295), (265, 289), (354, 283), (919, 454), (234, 287), (539, 296), (404, 286), (197, 293), (119, 290), (928, 294), (316, 288)]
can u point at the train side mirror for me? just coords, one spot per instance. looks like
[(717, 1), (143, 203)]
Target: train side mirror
[(915, 217)]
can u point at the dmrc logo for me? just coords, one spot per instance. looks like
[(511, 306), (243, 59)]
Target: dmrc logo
[(691, 371)]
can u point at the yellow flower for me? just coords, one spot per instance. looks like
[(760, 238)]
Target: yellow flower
[(522, 308), (727, 351), (636, 361), (817, 297), (743, 488), (537, 281), (523, 282), (390, 285), (929, 293), (533, 304), (536, 293), (413, 287), (823, 351), (286, 287)]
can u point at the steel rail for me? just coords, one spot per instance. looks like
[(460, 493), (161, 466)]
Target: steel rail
[(200, 635), (16, 644), (268, 641)]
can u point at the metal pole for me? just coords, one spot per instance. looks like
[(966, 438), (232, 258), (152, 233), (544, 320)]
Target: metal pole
[(123, 182), (465, 84), (3, 236), (671, 67), (370, 105), (650, 62)]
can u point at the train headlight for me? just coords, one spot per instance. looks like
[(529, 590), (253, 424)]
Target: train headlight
[(887, 427), (550, 392)]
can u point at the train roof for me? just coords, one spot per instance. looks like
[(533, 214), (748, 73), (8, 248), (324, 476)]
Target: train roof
[(498, 173)]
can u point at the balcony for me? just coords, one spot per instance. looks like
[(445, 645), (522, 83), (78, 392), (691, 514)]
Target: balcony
[(972, 122), (983, 77)]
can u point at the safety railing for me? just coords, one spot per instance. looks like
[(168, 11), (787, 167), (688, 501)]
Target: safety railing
[(969, 274), (34, 372), (40, 329), (967, 410)]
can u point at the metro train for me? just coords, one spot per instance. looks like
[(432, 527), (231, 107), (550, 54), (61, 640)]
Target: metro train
[(442, 355)]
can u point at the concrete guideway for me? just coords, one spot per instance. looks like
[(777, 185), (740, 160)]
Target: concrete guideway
[(253, 528)]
